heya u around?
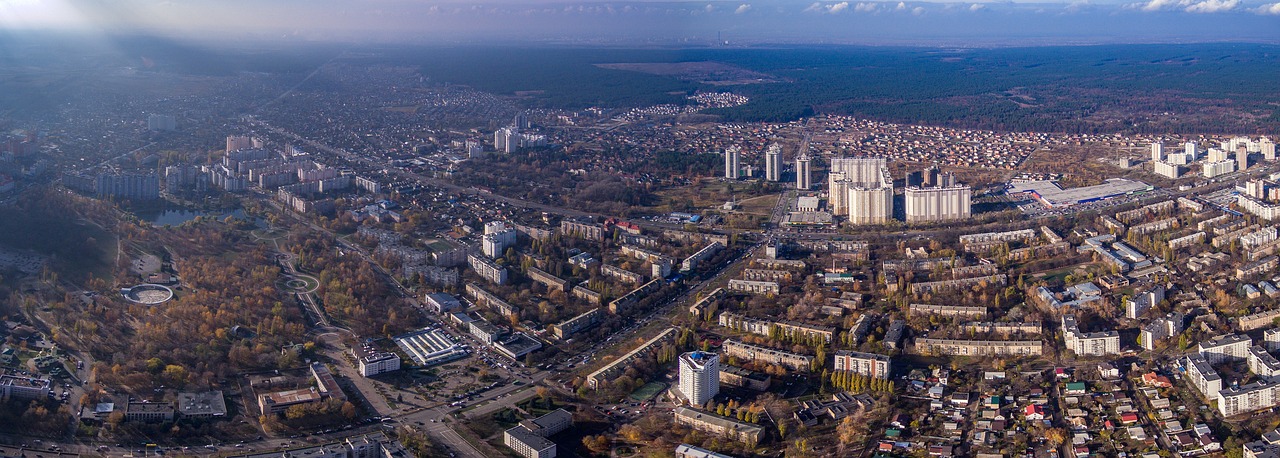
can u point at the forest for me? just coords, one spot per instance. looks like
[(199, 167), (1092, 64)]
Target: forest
[(1087, 89)]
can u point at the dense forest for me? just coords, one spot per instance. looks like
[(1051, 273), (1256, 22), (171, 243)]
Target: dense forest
[(1113, 88)]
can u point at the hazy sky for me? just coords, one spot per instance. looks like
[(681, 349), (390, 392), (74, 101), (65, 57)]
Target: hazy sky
[(664, 22)]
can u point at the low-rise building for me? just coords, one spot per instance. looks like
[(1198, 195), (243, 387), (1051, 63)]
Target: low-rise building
[(750, 352), (278, 402), (577, 324), (370, 361), (202, 406), (753, 287), (529, 438), (978, 347), (869, 364), (715, 424), (149, 412)]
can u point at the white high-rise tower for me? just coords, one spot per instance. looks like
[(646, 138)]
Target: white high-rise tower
[(731, 157), (1157, 151), (773, 163), (699, 377), (803, 181)]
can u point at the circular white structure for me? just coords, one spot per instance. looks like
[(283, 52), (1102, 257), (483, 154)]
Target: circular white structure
[(147, 294)]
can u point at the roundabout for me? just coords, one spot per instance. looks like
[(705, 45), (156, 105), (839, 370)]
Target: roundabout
[(147, 294), (298, 284)]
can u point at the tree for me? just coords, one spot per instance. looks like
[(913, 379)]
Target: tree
[(632, 433), (597, 444)]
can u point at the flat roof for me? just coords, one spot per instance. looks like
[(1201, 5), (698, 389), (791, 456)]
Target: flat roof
[(291, 396), (205, 403), (1054, 195)]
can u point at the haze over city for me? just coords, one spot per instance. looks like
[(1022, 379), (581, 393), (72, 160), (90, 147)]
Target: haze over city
[(624, 229), (980, 23)]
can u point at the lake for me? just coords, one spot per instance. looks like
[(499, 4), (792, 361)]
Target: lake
[(179, 216)]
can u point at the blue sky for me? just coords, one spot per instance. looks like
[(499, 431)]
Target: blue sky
[(978, 22)]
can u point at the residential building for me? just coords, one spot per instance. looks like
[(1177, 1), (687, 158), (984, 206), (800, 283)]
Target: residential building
[(801, 363), (869, 364), (487, 269), (699, 377), (689, 451), (731, 167), (1263, 394), (1089, 343), (715, 424), (1262, 363), (1201, 375), (753, 287), (1230, 347), (978, 347), (932, 204), (617, 366), (773, 163), (577, 324), (804, 176)]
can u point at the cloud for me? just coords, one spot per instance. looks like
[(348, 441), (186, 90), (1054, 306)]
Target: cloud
[(976, 7), (1213, 6), (838, 7), (901, 6), (1270, 8), (917, 10), (710, 8), (1157, 5), (862, 7), (815, 7), (742, 8)]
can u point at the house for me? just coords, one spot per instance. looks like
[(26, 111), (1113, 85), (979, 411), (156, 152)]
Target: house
[(1129, 418), (993, 402), (1034, 412), (1075, 388), (1158, 381), (940, 450), (960, 399), (1108, 372)]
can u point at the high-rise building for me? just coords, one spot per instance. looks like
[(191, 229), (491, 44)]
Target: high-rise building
[(865, 188), (1267, 148), (1242, 157), (235, 143), (506, 139), (773, 163), (521, 121), (949, 203), (1157, 151), (1167, 170), (1189, 149), (699, 377), (803, 174), (1213, 169), (731, 168)]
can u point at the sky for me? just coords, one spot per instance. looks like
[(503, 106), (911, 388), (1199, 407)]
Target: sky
[(744, 22)]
